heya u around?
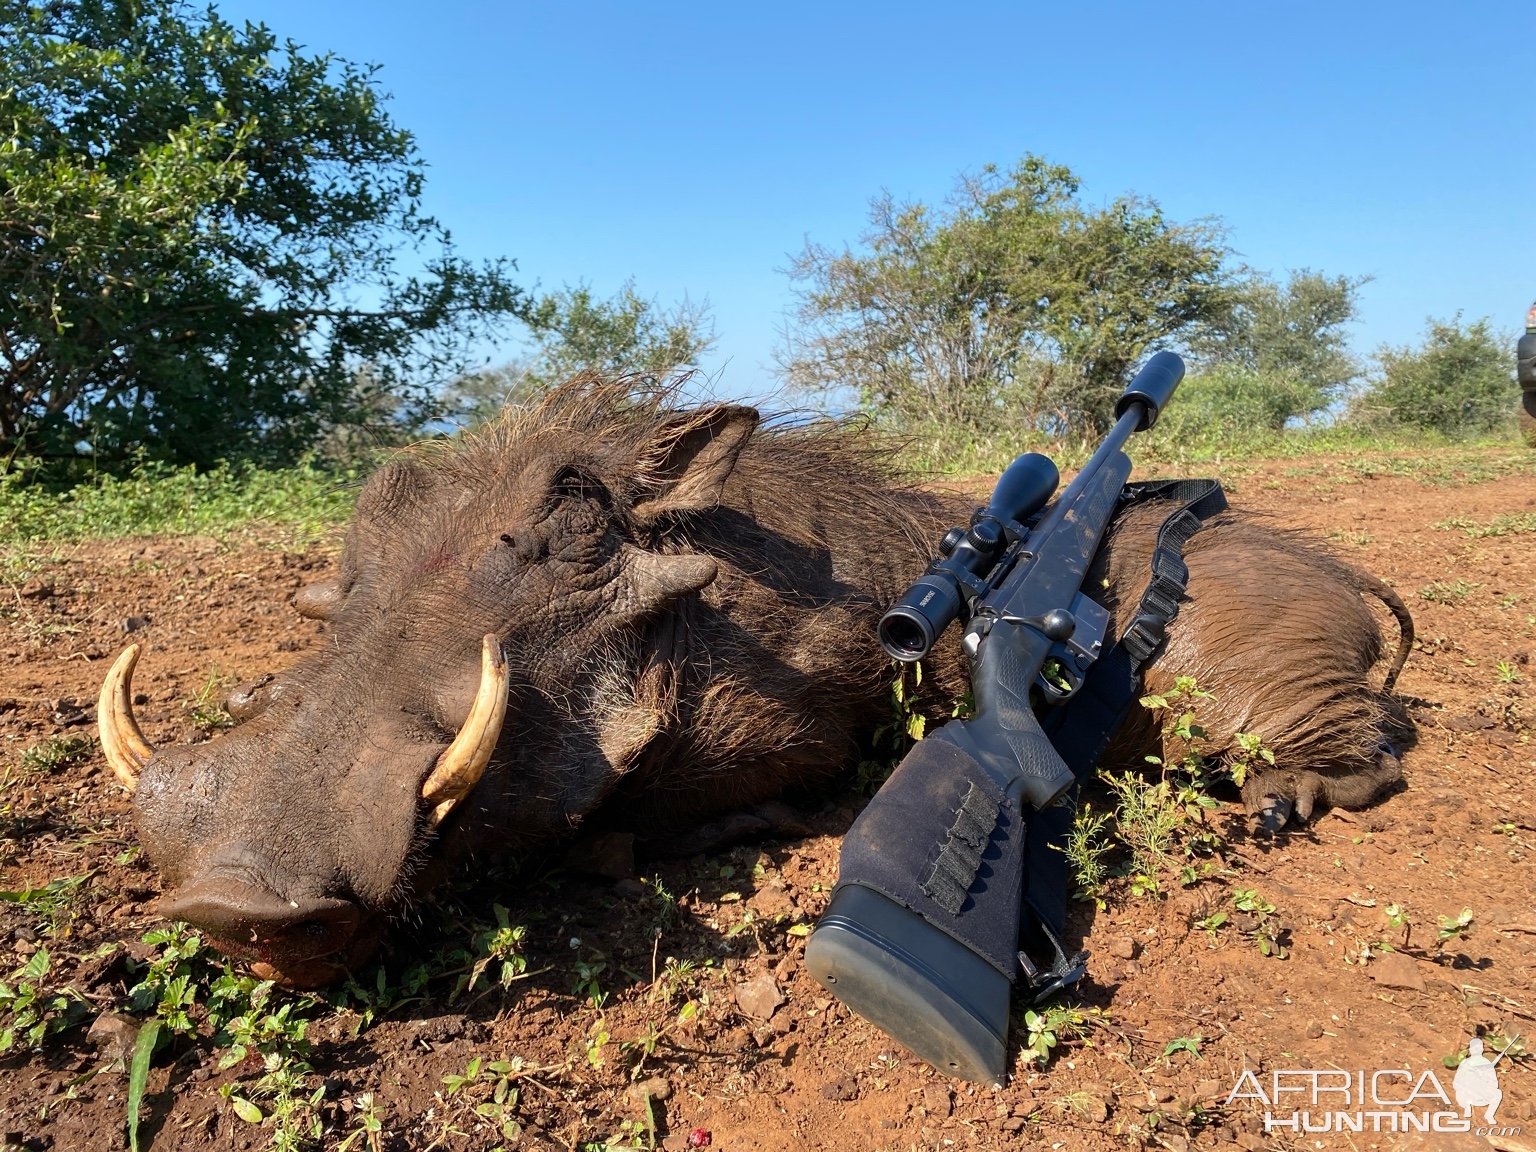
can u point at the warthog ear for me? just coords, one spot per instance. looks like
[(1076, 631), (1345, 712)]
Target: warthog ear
[(649, 581), (685, 465)]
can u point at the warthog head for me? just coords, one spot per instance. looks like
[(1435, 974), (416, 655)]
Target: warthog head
[(496, 606)]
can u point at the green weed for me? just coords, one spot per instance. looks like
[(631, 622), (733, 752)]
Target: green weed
[(1496, 1045), (1266, 930), (58, 752), (1163, 821), (31, 1010), (187, 989), (1047, 1028), (494, 1082), (1456, 927), (50, 903), (1441, 592), (1088, 846), (369, 1128), (1190, 1044), (904, 726)]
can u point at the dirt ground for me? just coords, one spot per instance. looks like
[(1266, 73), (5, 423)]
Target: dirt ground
[(596, 1026)]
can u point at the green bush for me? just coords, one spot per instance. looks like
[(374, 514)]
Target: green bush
[(1234, 403), (1459, 381)]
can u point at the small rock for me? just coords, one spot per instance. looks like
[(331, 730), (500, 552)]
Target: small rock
[(937, 1100), (657, 1088), (1124, 948), (1174, 1143), (1093, 1109), (771, 901), (1314, 1031), (114, 1037), (759, 997), (1209, 1090), (839, 1090), (439, 1029), (1251, 1141), (1396, 970), (734, 1040)]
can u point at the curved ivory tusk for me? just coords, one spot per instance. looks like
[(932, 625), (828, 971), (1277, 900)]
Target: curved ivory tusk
[(121, 740), (460, 766)]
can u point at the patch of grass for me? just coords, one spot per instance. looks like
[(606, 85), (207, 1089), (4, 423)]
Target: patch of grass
[(303, 504), (1505, 525), (207, 707), (51, 903), (1441, 592), (58, 752)]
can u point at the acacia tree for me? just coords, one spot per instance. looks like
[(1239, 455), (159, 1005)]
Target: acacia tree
[(1287, 342), (211, 244), (577, 332), (1015, 303)]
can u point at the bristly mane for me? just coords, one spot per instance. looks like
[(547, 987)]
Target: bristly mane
[(791, 454)]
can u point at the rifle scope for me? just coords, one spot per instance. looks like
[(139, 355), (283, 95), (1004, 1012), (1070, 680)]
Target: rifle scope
[(910, 627)]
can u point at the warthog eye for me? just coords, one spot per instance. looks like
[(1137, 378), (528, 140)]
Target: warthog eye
[(575, 483)]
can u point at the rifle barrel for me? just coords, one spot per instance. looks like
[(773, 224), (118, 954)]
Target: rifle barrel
[(1118, 435)]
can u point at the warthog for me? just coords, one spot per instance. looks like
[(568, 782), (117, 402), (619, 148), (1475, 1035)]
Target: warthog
[(605, 607)]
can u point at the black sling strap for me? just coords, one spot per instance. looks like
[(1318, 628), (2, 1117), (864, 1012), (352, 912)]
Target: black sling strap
[(1081, 728)]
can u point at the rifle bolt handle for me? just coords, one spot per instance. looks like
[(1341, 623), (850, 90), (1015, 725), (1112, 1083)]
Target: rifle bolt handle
[(1058, 624)]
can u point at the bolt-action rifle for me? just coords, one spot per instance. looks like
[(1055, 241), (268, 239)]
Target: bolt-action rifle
[(922, 935)]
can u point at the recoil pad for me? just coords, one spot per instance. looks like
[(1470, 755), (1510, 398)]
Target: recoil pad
[(921, 935)]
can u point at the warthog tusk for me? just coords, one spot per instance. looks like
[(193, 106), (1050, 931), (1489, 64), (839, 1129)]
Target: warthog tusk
[(121, 739), (460, 766)]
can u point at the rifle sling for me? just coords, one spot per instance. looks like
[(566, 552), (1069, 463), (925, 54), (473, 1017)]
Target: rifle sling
[(1081, 728)]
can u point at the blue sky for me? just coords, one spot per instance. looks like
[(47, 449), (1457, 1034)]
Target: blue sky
[(695, 147)]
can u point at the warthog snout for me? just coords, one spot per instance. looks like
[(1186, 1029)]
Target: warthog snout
[(304, 943)]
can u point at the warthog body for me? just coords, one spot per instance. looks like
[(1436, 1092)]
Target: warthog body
[(686, 602)]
